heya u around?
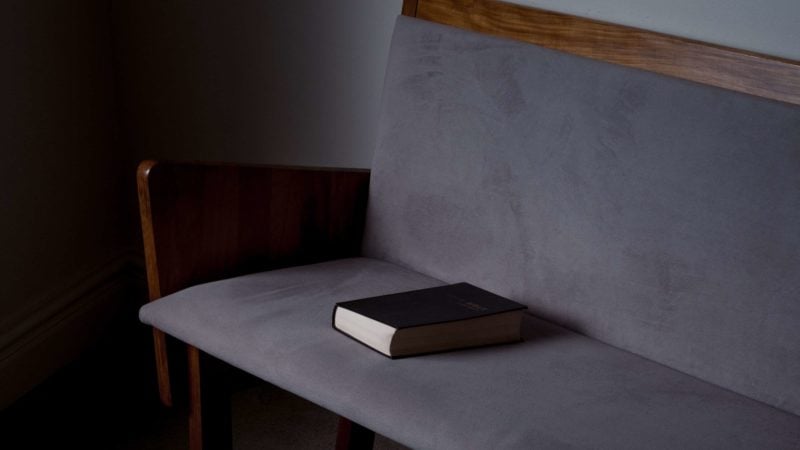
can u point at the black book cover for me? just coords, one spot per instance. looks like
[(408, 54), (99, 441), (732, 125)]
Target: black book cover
[(432, 305)]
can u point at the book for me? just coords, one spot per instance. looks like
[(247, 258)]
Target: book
[(430, 320)]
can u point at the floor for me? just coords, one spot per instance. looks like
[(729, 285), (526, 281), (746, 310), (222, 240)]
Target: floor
[(107, 400)]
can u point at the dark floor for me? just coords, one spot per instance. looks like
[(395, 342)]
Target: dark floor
[(107, 400)]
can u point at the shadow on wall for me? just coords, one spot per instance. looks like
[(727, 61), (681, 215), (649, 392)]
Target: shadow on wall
[(63, 232), (256, 81)]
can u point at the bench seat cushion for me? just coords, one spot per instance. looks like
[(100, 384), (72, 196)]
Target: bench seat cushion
[(556, 389)]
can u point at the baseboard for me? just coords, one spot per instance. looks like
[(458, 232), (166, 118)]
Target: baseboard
[(66, 322)]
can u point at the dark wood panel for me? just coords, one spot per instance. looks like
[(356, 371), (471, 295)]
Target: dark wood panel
[(738, 70), (410, 8), (203, 222)]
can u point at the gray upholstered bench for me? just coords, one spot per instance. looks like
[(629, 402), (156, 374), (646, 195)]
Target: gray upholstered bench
[(651, 224)]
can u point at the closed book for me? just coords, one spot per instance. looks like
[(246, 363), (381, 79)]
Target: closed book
[(430, 320)]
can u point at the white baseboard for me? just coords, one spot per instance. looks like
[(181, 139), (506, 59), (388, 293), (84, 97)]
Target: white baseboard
[(63, 324)]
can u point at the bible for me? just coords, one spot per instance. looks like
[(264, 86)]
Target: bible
[(430, 320)]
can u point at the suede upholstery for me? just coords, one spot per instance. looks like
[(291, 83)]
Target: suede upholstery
[(557, 389), (658, 215), (651, 225)]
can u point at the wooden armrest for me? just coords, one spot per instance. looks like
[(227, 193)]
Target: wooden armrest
[(204, 222)]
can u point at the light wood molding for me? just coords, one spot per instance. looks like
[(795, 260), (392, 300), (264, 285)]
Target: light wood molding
[(738, 70)]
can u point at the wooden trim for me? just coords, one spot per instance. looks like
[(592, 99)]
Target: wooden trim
[(146, 216), (153, 287), (738, 70), (410, 8)]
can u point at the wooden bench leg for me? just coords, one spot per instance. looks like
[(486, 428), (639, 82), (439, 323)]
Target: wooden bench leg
[(209, 403), (352, 436), (162, 367)]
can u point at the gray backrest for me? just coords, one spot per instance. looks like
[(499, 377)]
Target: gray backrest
[(658, 215)]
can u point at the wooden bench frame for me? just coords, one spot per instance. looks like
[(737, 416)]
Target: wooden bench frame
[(203, 222)]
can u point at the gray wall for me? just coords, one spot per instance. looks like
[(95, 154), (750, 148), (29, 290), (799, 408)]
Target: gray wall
[(286, 82), (56, 135), (60, 169)]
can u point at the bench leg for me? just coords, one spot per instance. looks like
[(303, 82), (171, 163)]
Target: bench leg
[(209, 403), (352, 436), (162, 367)]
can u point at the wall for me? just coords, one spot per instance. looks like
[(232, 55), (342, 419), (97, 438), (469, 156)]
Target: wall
[(298, 82), (285, 82), (767, 26), (61, 230)]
